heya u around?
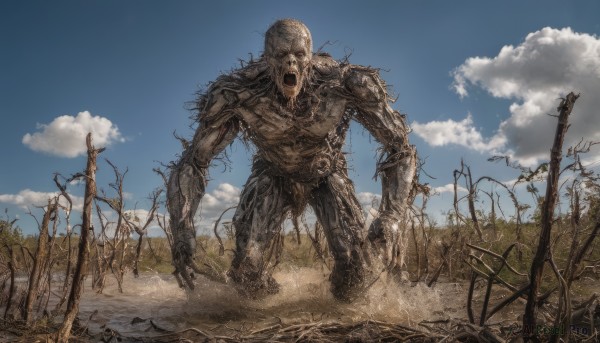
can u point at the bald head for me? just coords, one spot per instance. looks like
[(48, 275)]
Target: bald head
[(287, 30), (288, 52)]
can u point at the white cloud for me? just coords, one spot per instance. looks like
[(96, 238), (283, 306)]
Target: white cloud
[(225, 195), (368, 199), (546, 66), (215, 202), (77, 181), (27, 197), (449, 188), (138, 216), (65, 135), (441, 133)]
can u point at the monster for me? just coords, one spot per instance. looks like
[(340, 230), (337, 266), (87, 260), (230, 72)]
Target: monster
[(295, 107)]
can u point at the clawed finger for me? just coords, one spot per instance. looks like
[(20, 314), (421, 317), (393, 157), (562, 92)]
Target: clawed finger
[(178, 278), (187, 279), (182, 276)]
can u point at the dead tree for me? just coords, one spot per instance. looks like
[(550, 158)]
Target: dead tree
[(13, 270), (471, 195), (481, 269), (543, 248), (100, 243), (39, 259), (51, 260), (161, 219), (141, 230), (447, 247), (68, 208), (527, 175), (492, 217), (119, 242), (580, 246), (83, 253), (424, 222)]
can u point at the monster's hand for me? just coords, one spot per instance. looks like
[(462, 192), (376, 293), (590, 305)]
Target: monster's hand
[(184, 248), (184, 192)]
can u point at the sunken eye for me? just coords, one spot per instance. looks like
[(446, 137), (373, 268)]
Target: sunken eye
[(300, 54)]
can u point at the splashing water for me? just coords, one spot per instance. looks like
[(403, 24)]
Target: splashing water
[(304, 297)]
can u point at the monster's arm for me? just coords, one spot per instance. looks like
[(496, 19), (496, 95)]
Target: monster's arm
[(218, 127), (397, 165)]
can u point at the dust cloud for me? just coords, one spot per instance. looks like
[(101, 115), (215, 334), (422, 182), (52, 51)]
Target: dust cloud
[(155, 301)]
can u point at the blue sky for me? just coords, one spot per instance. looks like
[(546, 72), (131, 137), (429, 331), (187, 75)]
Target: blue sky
[(475, 79)]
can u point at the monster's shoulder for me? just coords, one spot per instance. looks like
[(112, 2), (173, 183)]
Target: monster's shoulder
[(252, 71), (324, 64), (243, 78), (364, 83), (231, 89)]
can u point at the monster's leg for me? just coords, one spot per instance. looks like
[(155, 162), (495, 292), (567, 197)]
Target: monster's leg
[(342, 219), (262, 209)]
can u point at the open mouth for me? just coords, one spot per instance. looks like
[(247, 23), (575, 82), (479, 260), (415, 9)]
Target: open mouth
[(290, 79)]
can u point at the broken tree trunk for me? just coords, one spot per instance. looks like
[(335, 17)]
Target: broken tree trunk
[(83, 254), (543, 248), (38, 261), (471, 201)]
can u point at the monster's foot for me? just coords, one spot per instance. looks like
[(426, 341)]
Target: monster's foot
[(253, 285), (350, 281), (384, 252)]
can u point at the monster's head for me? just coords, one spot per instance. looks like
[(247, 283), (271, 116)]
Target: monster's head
[(288, 51)]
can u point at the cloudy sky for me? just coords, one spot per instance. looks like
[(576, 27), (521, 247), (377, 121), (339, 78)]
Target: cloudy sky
[(475, 78)]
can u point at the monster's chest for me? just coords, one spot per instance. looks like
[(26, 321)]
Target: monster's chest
[(269, 122)]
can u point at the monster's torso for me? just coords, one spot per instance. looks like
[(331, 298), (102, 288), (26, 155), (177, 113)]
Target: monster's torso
[(304, 142)]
